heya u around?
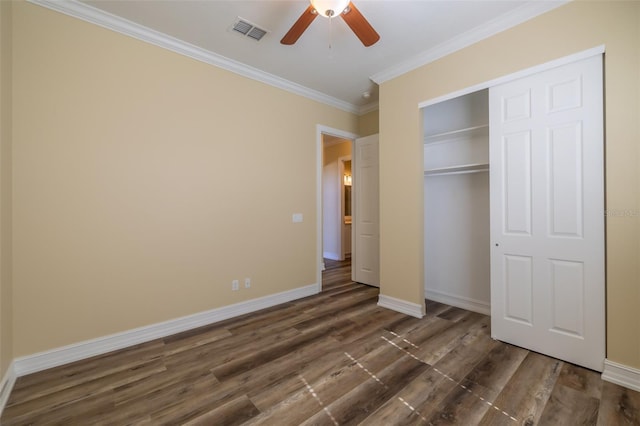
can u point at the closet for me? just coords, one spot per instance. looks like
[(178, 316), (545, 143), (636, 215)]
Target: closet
[(456, 202), (513, 207)]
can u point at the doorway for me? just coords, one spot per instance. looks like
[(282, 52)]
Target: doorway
[(333, 151), (336, 199)]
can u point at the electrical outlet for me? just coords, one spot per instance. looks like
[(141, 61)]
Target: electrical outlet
[(235, 285), (247, 283)]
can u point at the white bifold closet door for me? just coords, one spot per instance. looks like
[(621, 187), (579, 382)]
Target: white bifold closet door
[(547, 213)]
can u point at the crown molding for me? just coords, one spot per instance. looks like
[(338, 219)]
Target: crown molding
[(120, 25), (371, 106), (501, 23)]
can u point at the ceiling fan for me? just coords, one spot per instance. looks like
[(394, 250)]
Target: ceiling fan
[(329, 9)]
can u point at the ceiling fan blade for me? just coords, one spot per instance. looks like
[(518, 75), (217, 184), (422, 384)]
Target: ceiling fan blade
[(300, 26), (360, 26)]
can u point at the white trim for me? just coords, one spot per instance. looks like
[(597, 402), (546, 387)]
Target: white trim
[(343, 225), (66, 354), (597, 50), (523, 13), (622, 375), (402, 306), (364, 109), (467, 303), (120, 25), (331, 255), (320, 130), (6, 385)]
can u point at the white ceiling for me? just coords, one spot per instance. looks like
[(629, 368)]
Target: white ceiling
[(412, 33)]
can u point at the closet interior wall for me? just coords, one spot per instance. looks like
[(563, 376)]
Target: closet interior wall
[(456, 202)]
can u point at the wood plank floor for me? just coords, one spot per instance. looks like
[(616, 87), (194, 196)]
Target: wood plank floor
[(331, 359)]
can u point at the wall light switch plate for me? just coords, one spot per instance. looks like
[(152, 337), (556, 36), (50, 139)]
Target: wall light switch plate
[(297, 218)]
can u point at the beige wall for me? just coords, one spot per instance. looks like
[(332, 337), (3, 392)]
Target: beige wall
[(6, 322), (571, 28), (145, 182), (333, 152), (369, 123)]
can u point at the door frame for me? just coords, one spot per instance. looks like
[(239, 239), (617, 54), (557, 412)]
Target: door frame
[(343, 189), (324, 130)]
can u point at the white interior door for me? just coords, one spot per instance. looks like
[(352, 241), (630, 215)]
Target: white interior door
[(547, 213), (366, 223)]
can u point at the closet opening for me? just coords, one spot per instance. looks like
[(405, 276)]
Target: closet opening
[(456, 202)]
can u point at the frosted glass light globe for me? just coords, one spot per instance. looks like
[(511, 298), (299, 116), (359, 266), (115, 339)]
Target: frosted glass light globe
[(329, 8)]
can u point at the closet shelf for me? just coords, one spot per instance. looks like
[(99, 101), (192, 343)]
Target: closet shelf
[(454, 133), (454, 170)]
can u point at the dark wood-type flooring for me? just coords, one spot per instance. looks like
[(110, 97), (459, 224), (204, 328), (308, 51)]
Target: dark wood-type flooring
[(331, 359)]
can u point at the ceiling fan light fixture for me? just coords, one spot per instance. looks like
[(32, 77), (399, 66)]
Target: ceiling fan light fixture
[(329, 8)]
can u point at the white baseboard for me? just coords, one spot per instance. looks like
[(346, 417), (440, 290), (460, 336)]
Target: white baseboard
[(622, 375), (101, 345), (6, 385), (467, 303), (399, 305), (331, 255)]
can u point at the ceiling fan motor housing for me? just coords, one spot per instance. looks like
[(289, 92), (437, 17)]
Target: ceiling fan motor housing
[(329, 8)]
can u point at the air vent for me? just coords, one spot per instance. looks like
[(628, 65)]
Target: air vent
[(248, 29)]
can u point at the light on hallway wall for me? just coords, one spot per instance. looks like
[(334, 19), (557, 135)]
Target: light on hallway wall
[(347, 180)]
